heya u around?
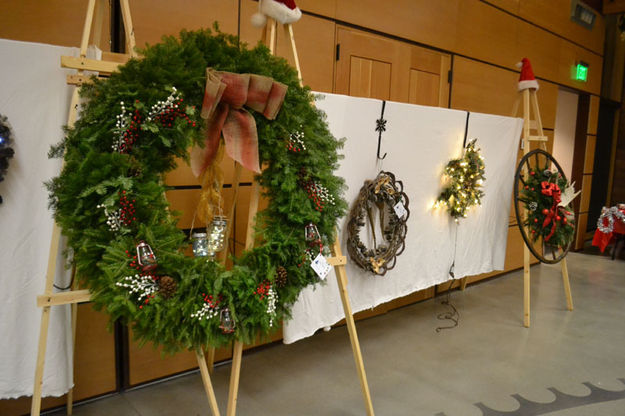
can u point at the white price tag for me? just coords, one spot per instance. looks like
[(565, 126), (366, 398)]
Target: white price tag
[(320, 266), (400, 210)]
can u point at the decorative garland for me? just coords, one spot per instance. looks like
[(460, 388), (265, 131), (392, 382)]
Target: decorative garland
[(109, 199), (609, 215), (386, 194), (465, 176), (6, 151), (547, 196)]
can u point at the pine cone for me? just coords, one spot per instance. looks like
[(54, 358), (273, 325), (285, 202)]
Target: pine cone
[(281, 276), (167, 287)]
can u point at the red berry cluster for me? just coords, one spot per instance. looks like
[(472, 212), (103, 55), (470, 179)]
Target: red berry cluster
[(131, 134), (168, 116), (133, 262), (263, 289), (127, 210), (147, 300), (212, 302)]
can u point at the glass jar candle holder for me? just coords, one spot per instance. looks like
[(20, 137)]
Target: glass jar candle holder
[(199, 242), (217, 235)]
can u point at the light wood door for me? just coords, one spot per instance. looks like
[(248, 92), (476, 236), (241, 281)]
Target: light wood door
[(376, 67)]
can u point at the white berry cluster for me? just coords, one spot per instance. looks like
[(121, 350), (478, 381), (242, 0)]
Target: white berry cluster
[(207, 311), (121, 125), (113, 219), (161, 106), (143, 286), (296, 143), (323, 193), (272, 297)]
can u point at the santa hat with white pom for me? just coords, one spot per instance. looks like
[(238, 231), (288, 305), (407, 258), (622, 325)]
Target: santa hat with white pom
[(526, 78), (283, 11)]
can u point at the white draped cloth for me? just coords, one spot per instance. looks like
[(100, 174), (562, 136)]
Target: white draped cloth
[(418, 142), (35, 98)]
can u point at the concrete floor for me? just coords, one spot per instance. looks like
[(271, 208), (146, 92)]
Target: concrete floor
[(471, 370)]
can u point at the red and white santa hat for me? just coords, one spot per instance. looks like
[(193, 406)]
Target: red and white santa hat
[(283, 11), (526, 79)]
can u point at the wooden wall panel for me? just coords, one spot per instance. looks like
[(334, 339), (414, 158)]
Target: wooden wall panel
[(585, 195), (417, 20), (570, 55), (593, 114), (58, 22), (487, 34), (589, 155), (322, 7), (483, 88), (488, 89), (540, 47), (555, 15), (511, 6), (580, 232), (147, 363), (314, 38), (152, 19), (94, 363)]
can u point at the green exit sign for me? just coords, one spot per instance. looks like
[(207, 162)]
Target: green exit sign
[(581, 72)]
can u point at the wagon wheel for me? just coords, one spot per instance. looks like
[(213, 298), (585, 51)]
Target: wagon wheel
[(536, 160)]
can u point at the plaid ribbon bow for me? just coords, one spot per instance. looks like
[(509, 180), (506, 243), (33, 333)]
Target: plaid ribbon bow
[(225, 96)]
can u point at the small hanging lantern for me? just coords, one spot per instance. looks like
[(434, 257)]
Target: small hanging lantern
[(146, 257), (226, 322), (217, 235), (311, 233), (199, 242)]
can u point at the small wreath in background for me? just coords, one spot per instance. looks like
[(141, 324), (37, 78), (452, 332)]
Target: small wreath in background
[(386, 195), (6, 151), (609, 215)]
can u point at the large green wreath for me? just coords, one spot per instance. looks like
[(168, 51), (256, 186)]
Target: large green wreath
[(96, 176)]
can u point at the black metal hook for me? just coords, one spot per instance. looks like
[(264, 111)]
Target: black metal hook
[(380, 126)]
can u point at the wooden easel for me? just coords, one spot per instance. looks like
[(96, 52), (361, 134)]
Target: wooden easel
[(338, 260), (529, 96), (73, 297)]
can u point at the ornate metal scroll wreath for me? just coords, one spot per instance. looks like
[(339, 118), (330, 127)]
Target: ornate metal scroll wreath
[(6, 151), (384, 192)]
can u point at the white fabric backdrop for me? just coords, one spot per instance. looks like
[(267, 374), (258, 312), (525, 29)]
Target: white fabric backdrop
[(35, 98), (419, 141)]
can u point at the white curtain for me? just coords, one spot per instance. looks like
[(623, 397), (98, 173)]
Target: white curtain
[(418, 141), (35, 98)]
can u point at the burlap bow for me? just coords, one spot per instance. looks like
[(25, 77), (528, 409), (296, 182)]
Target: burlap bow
[(225, 96)]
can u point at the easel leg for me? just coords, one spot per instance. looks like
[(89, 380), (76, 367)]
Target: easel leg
[(341, 278), (70, 393), (210, 359), (35, 408), (206, 379), (567, 285), (526, 287), (237, 352), (463, 283)]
